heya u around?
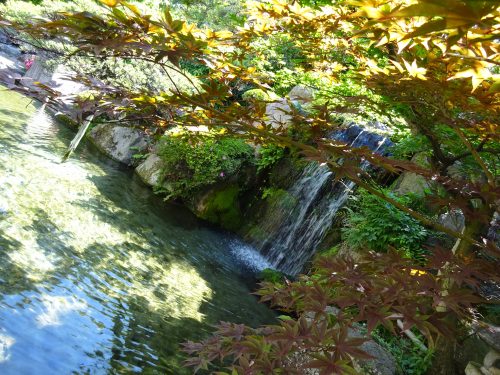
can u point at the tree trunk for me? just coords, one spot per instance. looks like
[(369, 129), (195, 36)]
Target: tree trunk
[(443, 362)]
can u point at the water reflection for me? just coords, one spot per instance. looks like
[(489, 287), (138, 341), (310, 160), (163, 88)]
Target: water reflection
[(6, 342), (97, 275)]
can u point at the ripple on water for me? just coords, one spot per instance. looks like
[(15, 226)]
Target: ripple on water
[(98, 275)]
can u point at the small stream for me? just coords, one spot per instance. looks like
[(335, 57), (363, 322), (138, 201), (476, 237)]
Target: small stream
[(97, 274)]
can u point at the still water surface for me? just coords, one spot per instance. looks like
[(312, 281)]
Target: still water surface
[(98, 275)]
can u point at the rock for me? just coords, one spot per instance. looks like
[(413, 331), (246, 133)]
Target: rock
[(118, 142), (278, 114), (494, 231), (259, 95), (472, 369), (491, 359), (11, 51), (480, 347), (9, 63), (491, 335), (37, 73), (219, 205), (149, 170), (301, 94), (410, 182), (453, 220), (383, 362), (62, 81), (3, 38)]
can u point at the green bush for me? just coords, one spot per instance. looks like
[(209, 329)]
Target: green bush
[(130, 74), (378, 225), (190, 163), (410, 358), (269, 155), (214, 14), (271, 276), (273, 53), (408, 144)]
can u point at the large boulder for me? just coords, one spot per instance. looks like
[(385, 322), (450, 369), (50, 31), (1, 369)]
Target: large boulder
[(218, 204), (301, 94), (453, 220), (118, 142), (410, 182), (278, 114), (150, 169), (383, 363)]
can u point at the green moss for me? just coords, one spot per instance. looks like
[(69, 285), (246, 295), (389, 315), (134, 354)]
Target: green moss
[(331, 252), (259, 95), (269, 155), (279, 198), (286, 171), (255, 232), (222, 207), (67, 121), (271, 276)]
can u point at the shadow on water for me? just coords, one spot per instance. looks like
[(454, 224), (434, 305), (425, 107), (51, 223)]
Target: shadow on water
[(15, 275), (142, 290), (13, 278), (97, 274), (13, 114)]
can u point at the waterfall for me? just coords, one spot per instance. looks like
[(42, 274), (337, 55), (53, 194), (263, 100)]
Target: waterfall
[(317, 200)]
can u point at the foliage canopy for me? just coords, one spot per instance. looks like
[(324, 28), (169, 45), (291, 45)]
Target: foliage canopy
[(434, 63)]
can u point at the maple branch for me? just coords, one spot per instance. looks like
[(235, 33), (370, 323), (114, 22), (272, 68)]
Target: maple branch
[(479, 148), (475, 154), (477, 58)]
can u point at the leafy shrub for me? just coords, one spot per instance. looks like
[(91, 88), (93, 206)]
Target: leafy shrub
[(378, 225), (274, 53), (269, 155), (214, 14), (408, 144), (194, 68), (271, 276), (191, 163), (410, 358)]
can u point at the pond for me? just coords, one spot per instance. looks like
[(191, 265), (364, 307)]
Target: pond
[(97, 274)]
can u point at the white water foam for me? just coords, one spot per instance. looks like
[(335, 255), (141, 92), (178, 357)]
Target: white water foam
[(248, 256)]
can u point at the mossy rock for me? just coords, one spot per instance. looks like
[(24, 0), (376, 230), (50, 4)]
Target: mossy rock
[(260, 95), (221, 206), (270, 211), (285, 172), (279, 198), (66, 121), (255, 233), (331, 252)]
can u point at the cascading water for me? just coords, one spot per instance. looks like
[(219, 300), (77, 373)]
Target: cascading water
[(317, 198)]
